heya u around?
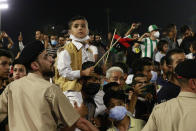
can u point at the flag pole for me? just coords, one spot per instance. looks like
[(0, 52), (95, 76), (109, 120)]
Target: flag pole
[(110, 47), (107, 52)]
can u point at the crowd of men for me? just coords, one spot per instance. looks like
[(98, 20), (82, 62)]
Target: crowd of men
[(75, 81)]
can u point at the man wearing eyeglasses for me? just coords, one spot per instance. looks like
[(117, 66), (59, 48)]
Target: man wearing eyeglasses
[(115, 74)]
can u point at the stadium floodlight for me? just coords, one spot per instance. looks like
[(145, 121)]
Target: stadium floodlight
[(3, 0), (3, 6)]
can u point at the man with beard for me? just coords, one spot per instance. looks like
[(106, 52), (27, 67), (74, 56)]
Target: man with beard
[(100, 46), (33, 103)]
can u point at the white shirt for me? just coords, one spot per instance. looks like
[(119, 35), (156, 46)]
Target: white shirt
[(74, 96), (158, 56), (94, 49), (64, 61), (100, 109), (179, 41), (189, 56), (146, 47)]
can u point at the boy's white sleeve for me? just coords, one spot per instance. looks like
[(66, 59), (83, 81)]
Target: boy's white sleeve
[(64, 66)]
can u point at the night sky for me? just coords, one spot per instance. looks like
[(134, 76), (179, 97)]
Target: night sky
[(28, 15)]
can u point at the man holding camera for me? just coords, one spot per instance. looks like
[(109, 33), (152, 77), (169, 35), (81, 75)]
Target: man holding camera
[(143, 98)]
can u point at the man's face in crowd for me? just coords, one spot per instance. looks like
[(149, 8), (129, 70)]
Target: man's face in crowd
[(188, 33), (42, 36), (141, 80), (79, 28), (53, 37), (38, 35), (97, 38), (91, 38), (46, 64), (176, 59), (46, 38), (135, 36), (5, 63), (61, 40), (191, 49), (117, 76), (165, 48), (173, 32), (19, 71), (147, 71)]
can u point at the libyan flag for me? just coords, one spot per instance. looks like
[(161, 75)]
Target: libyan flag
[(123, 43)]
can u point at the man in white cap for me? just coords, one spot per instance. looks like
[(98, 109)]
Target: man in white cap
[(150, 41)]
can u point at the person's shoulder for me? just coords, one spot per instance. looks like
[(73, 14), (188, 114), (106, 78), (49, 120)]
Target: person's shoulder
[(139, 122), (158, 54), (70, 47), (165, 86), (173, 87), (30, 82), (144, 39), (52, 89), (147, 38), (169, 86), (60, 50), (65, 50), (18, 81), (53, 86), (164, 106)]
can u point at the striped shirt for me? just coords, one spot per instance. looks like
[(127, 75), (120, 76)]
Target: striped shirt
[(148, 47), (52, 50)]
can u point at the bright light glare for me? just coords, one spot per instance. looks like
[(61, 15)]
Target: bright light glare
[(3, 6), (3, 0)]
